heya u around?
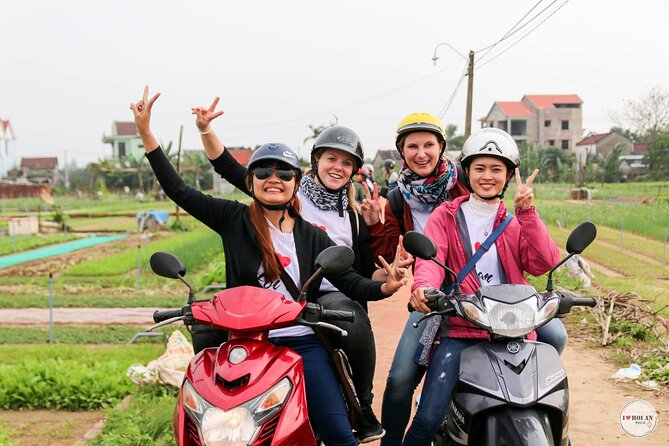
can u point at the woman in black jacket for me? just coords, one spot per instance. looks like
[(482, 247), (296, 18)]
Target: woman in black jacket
[(326, 195), (264, 239)]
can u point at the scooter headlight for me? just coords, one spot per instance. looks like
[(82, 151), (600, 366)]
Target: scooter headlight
[(234, 427), (474, 313), (548, 311), (513, 320), (272, 400)]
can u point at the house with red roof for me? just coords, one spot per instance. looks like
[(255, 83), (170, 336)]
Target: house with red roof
[(554, 120), (40, 170), (125, 140)]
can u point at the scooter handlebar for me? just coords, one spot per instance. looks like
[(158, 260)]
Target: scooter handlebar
[(585, 301), (337, 315), (159, 316)]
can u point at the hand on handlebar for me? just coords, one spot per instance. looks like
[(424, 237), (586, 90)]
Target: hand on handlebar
[(418, 300)]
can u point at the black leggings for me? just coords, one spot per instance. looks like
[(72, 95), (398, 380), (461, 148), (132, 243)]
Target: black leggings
[(358, 345)]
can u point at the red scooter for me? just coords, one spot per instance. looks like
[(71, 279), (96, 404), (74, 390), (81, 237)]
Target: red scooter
[(247, 391)]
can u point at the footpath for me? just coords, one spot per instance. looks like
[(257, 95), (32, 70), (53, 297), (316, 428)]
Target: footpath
[(595, 400)]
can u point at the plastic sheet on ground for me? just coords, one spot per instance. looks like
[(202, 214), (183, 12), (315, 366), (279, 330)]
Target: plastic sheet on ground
[(169, 368)]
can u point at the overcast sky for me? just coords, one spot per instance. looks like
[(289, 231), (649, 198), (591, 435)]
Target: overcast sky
[(69, 68)]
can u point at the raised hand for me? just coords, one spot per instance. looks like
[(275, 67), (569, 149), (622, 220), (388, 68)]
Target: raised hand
[(370, 209), (524, 192), (142, 111), (204, 116), (395, 273)]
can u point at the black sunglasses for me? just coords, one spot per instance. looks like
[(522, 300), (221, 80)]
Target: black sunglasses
[(263, 173)]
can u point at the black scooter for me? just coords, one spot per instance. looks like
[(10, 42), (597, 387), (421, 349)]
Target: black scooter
[(511, 391)]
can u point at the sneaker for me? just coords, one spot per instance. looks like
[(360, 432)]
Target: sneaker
[(370, 429)]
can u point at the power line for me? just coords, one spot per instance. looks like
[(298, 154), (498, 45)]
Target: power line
[(511, 31), (446, 106), (526, 34), (341, 107)]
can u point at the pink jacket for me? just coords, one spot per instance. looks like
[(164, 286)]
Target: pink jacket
[(524, 246)]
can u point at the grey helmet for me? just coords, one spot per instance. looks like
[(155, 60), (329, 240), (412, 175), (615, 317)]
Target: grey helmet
[(275, 152), (340, 138)]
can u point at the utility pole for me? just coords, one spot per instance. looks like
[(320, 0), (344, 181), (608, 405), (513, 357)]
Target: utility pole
[(470, 94), (67, 174), (181, 132)]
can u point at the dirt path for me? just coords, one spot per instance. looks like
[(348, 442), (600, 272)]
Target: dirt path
[(596, 401)]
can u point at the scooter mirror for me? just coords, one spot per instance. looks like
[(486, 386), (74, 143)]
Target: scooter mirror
[(581, 237), (335, 259), (419, 246), (167, 265)]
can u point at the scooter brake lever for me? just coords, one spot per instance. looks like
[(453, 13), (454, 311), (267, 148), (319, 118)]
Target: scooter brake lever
[(429, 315), (165, 322), (332, 327)]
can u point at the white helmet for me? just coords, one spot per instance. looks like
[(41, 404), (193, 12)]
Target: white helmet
[(490, 141), (370, 169)]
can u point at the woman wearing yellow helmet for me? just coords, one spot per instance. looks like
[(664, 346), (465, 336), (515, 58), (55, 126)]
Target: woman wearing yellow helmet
[(428, 178)]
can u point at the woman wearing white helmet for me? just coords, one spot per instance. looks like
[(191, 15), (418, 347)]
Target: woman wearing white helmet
[(489, 158)]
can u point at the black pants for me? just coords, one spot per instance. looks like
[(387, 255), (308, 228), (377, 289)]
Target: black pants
[(358, 345)]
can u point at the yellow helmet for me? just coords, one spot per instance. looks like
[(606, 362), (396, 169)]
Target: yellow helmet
[(420, 122)]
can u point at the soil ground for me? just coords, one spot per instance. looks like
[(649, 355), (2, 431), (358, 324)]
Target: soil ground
[(595, 400)]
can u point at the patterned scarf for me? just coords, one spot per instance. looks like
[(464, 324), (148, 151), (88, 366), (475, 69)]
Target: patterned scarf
[(324, 200), (426, 193)]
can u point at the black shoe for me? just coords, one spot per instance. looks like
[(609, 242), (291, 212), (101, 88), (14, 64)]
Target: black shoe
[(370, 429)]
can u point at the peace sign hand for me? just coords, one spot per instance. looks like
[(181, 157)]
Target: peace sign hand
[(524, 192), (204, 116), (370, 208), (395, 278), (142, 111)]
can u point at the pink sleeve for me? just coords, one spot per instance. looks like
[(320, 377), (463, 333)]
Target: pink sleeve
[(538, 251), (426, 272)]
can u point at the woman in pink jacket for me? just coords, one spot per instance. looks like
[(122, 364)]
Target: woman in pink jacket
[(489, 158)]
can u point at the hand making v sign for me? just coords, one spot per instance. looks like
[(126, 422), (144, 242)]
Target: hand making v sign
[(524, 192)]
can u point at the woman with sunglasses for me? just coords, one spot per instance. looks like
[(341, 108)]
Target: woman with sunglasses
[(275, 239), (327, 196)]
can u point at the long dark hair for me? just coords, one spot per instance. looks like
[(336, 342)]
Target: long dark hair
[(270, 262)]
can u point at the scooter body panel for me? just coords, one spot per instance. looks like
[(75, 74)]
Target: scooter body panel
[(496, 376), (247, 309)]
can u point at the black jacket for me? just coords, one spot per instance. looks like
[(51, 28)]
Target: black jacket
[(230, 220)]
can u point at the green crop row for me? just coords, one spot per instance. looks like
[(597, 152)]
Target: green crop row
[(18, 243), (194, 248), (147, 421), (67, 377), (650, 220), (70, 334)]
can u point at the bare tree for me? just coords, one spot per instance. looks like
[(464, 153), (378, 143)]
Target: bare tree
[(648, 116)]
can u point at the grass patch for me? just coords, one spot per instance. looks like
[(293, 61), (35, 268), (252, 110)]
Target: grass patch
[(68, 377), (6, 434), (68, 334), (147, 421), (131, 300), (194, 248), (18, 243), (104, 224)]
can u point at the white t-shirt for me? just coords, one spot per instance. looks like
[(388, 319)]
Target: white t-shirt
[(284, 245), (480, 217), (337, 228), (419, 219)]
